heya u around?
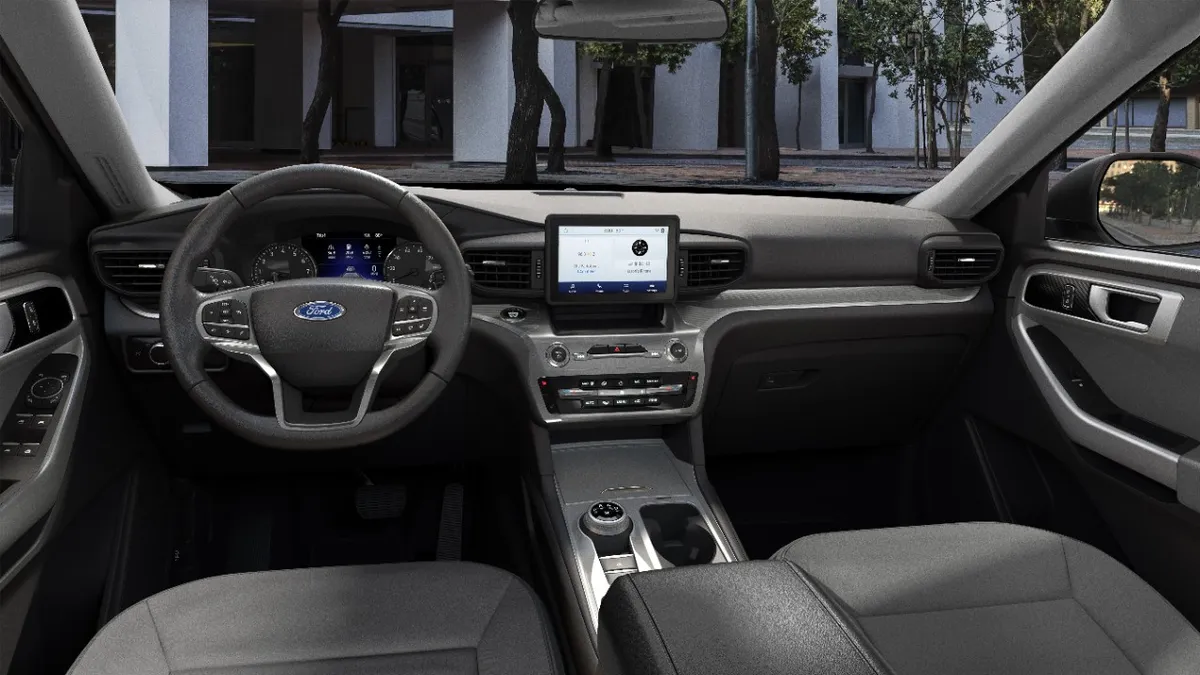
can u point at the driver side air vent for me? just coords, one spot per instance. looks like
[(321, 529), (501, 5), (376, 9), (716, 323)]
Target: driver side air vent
[(710, 268), (506, 270), (136, 273), (960, 261)]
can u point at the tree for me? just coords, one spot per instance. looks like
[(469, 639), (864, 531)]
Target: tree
[(865, 28), (331, 52), (1048, 29), (956, 60), (556, 159), (1182, 71), (789, 37), (521, 159), (611, 55)]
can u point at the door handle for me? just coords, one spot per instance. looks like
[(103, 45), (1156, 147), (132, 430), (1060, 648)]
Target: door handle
[(1100, 299)]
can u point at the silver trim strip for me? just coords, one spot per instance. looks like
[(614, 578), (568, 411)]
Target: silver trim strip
[(1105, 255), (136, 308), (7, 328), (1146, 458)]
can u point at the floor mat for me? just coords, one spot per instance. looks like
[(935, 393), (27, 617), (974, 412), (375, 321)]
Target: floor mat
[(281, 522), (774, 499)]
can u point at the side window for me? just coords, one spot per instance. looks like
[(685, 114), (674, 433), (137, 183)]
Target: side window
[(10, 147), (1152, 203)]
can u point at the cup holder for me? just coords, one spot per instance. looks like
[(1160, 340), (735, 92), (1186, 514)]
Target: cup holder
[(678, 534)]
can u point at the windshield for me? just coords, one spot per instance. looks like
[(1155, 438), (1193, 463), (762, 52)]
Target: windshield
[(856, 96)]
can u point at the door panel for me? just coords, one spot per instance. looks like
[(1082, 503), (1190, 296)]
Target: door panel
[(43, 369), (1116, 355)]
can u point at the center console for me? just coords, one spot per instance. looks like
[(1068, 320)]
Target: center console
[(631, 506)]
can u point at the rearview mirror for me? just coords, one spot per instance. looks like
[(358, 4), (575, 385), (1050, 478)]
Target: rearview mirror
[(632, 20), (1151, 202)]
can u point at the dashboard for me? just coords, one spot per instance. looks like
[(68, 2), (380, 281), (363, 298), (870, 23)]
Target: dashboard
[(611, 308)]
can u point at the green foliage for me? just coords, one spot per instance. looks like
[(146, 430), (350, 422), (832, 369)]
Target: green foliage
[(945, 45), (1165, 190), (801, 37), (1051, 27), (670, 55)]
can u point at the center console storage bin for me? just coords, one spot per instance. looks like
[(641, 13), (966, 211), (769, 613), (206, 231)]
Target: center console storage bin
[(766, 618)]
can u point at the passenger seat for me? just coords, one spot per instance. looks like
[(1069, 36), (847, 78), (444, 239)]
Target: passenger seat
[(984, 598), (444, 618)]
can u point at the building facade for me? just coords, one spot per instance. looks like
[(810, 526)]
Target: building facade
[(194, 77)]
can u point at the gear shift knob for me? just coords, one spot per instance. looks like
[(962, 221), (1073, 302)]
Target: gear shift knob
[(607, 519)]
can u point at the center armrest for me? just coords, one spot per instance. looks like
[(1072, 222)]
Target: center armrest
[(765, 618)]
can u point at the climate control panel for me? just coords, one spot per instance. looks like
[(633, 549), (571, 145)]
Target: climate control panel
[(618, 393)]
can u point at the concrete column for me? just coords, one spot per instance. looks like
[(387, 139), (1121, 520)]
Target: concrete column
[(287, 56), (687, 102), (162, 79), (557, 59), (819, 110), (384, 76), (483, 80)]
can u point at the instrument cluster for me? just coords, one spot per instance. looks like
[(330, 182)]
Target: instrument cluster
[(364, 255)]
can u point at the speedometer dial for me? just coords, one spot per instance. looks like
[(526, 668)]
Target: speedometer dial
[(282, 261), (409, 264)]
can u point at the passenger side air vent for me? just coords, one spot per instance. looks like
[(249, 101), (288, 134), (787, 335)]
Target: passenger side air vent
[(710, 268), (960, 261), (506, 270), (137, 273)]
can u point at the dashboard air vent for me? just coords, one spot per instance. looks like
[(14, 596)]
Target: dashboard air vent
[(506, 270), (133, 272), (962, 265), (713, 267)]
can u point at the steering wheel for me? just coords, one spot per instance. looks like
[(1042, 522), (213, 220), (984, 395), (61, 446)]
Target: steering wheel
[(314, 334)]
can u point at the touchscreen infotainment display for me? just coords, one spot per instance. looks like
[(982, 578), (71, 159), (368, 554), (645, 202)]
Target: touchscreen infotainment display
[(621, 259)]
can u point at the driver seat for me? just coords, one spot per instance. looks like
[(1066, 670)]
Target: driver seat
[(441, 618)]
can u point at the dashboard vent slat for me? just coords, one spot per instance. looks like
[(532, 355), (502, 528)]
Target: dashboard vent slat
[(708, 268), (502, 270), (133, 272), (962, 265)]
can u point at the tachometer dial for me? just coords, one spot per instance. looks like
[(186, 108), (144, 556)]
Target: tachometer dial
[(282, 261), (408, 263)]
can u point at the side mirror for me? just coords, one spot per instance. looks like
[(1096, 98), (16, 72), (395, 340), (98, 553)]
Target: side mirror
[(1141, 200), (639, 21)]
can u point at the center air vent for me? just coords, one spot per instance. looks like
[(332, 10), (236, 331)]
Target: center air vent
[(958, 261), (709, 268), (137, 273), (506, 270)]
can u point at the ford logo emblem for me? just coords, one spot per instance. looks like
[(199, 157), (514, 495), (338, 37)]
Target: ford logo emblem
[(319, 310)]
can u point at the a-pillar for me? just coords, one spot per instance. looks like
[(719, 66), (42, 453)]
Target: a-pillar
[(687, 102), (287, 56), (483, 80), (162, 79)]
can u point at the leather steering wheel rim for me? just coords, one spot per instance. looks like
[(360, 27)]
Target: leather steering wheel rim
[(181, 304)]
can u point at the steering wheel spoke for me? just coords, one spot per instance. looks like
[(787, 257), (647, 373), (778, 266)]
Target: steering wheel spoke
[(223, 323)]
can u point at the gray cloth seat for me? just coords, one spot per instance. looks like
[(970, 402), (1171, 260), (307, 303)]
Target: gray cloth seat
[(435, 618), (983, 598)]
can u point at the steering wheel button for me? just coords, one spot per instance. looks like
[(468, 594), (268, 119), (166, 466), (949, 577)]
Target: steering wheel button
[(422, 326), (210, 312), (242, 333)]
